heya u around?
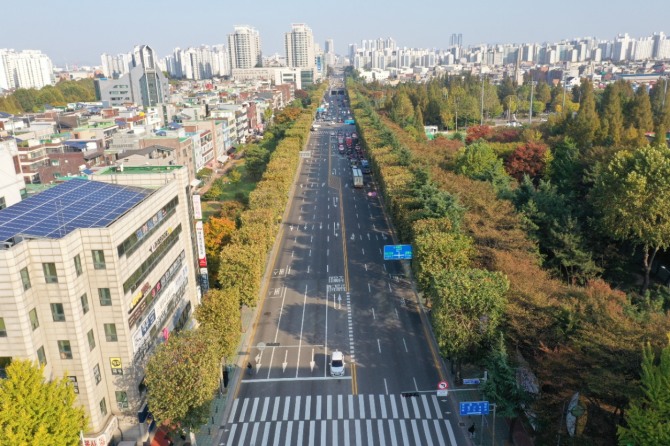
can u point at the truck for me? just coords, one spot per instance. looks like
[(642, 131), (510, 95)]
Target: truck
[(358, 177)]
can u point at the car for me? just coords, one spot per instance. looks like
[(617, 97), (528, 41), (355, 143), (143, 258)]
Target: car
[(337, 363)]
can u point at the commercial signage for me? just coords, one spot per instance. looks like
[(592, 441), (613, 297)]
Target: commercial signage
[(116, 365), (197, 207), (159, 241), (105, 438), (200, 241)]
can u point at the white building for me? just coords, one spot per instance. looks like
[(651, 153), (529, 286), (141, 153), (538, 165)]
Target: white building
[(25, 69), (12, 185), (244, 47), (94, 276), (116, 66), (299, 46)]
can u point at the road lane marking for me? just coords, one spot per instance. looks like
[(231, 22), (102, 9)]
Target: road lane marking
[(329, 406), (302, 324), (373, 314), (373, 408), (275, 409), (415, 431), (405, 343), (254, 433), (450, 432), (287, 405), (254, 408), (380, 432), (379, 346), (289, 431), (350, 401), (296, 409), (403, 432), (340, 407)]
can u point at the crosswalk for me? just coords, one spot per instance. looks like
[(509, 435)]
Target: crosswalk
[(338, 419)]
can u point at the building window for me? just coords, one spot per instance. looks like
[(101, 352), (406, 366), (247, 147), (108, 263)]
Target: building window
[(96, 374), (3, 328), (74, 383), (103, 407), (41, 357), (57, 312), (3, 203), (65, 349), (25, 278), (34, 321), (122, 399), (99, 259), (77, 265), (105, 297), (91, 340), (110, 333), (50, 274), (84, 303)]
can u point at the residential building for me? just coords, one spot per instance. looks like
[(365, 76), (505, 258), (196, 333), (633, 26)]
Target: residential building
[(244, 47), (95, 275), (115, 66), (25, 69), (299, 45), (12, 184)]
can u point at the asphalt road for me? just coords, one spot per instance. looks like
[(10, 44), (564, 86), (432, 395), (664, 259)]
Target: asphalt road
[(331, 289)]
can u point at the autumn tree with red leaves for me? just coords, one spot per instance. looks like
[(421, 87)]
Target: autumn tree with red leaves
[(528, 159)]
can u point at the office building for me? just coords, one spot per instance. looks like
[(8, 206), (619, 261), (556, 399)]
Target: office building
[(144, 84), (244, 47), (95, 274)]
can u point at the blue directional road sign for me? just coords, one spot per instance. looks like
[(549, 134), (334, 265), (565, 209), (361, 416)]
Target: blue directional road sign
[(474, 408), (471, 381), (397, 252)]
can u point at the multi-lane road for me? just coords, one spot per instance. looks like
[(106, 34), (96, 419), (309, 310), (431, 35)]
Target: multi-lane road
[(330, 289)]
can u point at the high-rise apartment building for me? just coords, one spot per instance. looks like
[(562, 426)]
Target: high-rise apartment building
[(329, 47), (244, 47), (299, 45), (25, 69), (116, 66), (95, 274)]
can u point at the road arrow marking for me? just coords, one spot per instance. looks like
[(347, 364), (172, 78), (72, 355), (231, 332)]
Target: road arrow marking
[(312, 363), (285, 363)]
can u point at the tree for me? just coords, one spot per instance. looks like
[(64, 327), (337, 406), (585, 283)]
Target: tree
[(585, 126), (468, 305), (402, 111), (528, 159), (182, 376), (648, 417), (612, 117), (220, 313), (218, 231), (631, 196), (38, 412), (255, 160), (501, 387), (641, 111), (479, 162)]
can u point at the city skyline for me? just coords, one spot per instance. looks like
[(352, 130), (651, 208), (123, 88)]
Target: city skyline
[(94, 31)]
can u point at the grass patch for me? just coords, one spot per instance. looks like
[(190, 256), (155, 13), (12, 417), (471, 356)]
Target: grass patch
[(209, 209), (241, 188)]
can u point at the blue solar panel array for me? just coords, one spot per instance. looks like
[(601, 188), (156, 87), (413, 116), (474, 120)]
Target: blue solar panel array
[(71, 205)]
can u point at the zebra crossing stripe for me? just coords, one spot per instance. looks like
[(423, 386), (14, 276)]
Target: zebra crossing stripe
[(318, 407), (415, 406), (382, 405), (308, 407), (438, 429), (312, 428), (346, 433), (394, 442), (350, 400), (300, 432), (329, 407), (244, 410), (380, 431), (286, 408), (394, 409), (426, 407), (368, 425), (232, 434), (264, 412), (373, 409), (289, 431), (415, 431), (296, 409), (323, 431), (266, 432), (335, 431), (253, 410), (233, 410), (254, 433), (437, 406), (450, 432), (403, 403), (361, 405), (243, 433), (403, 432), (357, 428), (340, 408), (275, 409), (277, 433), (426, 430)]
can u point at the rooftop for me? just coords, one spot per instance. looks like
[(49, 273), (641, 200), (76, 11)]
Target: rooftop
[(72, 205), (114, 170)]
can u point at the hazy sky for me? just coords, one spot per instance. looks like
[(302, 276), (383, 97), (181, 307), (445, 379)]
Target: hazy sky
[(78, 31)]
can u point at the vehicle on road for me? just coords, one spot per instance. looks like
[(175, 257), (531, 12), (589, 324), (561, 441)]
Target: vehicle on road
[(337, 363), (358, 177), (365, 166)]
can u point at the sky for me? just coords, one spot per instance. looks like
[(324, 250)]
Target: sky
[(77, 32)]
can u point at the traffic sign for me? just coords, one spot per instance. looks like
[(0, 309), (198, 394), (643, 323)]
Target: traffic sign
[(397, 252), (471, 381), (474, 408), (442, 385)]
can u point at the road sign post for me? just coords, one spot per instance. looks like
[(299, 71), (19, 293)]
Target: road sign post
[(442, 388)]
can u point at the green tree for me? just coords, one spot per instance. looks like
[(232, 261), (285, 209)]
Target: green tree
[(648, 417), (38, 412), (660, 104), (585, 126), (402, 110), (27, 99), (641, 111), (612, 117), (479, 162), (630, 194), (542, 93), (220, 314), (502, 387), (255, 160), (468, 305), (182, 376)]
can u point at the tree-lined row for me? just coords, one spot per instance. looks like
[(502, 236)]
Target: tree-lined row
[(575, 338), (184, 373), (29, 100)]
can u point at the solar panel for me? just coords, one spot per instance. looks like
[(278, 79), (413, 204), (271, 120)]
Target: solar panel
[(74, 204)]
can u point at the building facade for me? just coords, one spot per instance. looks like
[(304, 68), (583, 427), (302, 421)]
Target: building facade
[(244, 47), (25, 69), (89, 292)]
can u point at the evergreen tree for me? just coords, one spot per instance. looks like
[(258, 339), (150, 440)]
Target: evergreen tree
[(612, 117), (38, 412), (641, 111), (648, 417), (586, 125)]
